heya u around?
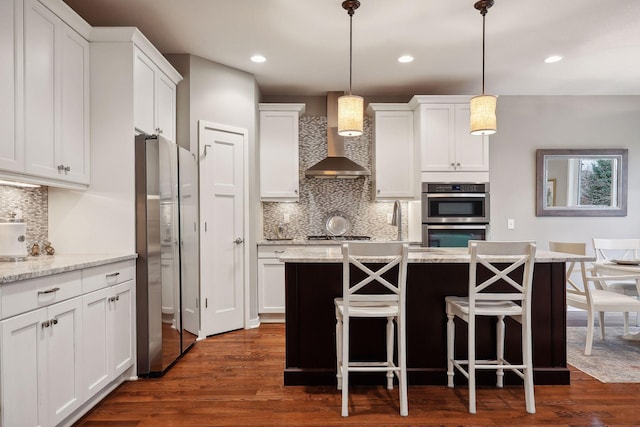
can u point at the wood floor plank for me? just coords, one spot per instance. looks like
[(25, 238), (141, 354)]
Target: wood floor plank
[(236, 379)]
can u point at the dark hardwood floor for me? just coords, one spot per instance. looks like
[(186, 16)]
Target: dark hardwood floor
[(236, 379)]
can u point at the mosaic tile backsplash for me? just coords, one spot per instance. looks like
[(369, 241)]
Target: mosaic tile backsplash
[(33, 202), (320, 197)]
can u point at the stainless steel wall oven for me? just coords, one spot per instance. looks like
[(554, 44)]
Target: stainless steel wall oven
[(454, 213)]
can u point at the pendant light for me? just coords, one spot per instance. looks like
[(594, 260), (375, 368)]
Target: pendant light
[(483, 107), (350, 107)]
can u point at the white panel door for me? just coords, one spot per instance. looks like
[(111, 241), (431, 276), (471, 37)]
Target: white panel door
[(41, 83), (472, 151), (222, 238), (96, 341), (64, 361), (271, 293), (121, 345), (437, 136), (11, 155), (74, 128), (166, 108), (24, 355), (144, 93)]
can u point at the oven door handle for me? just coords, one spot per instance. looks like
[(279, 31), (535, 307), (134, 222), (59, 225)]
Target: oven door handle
[(449, 195), (457, 227)]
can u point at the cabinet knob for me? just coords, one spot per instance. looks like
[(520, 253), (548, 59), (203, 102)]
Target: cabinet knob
[(67, 168), (158, 130), (295, 191), (54, 322), (457, 165), (60, 168), (45, 324), (238, 240)]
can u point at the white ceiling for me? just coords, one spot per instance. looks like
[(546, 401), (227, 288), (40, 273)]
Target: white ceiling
[(306, 43)]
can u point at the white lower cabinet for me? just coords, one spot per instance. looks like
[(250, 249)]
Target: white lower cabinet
[(108, 341), (41, 373), (271, 292), (64, 338)]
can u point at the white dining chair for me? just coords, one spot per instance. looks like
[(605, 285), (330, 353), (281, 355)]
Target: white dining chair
[(358, 300), (608, 249), (509, 264), (594, 296)]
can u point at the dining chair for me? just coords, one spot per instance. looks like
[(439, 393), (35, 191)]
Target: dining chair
[(366, 299), (593, 296), (609, 249), (509, 266)]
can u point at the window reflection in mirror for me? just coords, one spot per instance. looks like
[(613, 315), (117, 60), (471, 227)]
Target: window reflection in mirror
[(581, 182)]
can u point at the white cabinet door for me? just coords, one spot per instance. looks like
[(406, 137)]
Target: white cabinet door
[(154, 98), (445, 142), (11, 147), (394, 176), (56, 97), (271, 293), (279, 164), (166, 108), (42, 31), (144, 93), (472, 151), (122, 327), (74, 117), (23, 369), (96, 319), (64, 359), (437, 135)]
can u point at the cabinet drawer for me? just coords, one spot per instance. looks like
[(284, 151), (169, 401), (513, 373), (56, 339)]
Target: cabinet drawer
[(25, 295), (271, 251), (95, 278)]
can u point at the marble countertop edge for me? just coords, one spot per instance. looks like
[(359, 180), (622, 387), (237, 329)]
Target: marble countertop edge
[(46, 265), (417, 255)]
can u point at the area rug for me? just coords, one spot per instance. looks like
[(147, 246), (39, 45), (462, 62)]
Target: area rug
[(612, 360)]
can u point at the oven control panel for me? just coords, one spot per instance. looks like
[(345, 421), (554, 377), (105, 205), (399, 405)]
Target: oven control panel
[(471, 187)]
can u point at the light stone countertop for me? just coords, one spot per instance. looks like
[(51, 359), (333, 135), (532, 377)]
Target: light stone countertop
[(416, 255), (45, 265)]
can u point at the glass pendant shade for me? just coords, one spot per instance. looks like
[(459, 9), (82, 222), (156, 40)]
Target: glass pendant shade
[(350, 115), (483, 115)]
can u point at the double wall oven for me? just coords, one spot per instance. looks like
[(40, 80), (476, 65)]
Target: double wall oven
[(454, 213)]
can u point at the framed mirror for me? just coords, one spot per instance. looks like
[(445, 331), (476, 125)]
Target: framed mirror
[(575, 182)]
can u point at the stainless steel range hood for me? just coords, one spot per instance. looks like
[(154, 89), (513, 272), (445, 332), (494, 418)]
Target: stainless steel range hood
[(335, 165)]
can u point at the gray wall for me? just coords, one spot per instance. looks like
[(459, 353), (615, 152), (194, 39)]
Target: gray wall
[(221, 94), (527, 123)]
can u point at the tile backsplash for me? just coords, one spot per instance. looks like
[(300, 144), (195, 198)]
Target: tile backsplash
[(320, 197), (33, 202)]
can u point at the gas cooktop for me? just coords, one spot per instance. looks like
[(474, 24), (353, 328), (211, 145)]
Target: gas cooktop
[(338, 238)]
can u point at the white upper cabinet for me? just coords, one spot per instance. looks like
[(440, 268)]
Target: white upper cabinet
[(154, 98), (279, 164), (56, 97), (11, 148), (448, 152), (394, 166)]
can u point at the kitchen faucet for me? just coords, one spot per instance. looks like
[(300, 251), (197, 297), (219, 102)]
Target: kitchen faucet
[(396, 219)]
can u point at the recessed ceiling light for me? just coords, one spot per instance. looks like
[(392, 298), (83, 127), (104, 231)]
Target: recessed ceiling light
[(258, 58), (405, 58), (553, 58)]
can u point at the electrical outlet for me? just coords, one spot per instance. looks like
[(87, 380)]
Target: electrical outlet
[(511, 223), (286, 218)]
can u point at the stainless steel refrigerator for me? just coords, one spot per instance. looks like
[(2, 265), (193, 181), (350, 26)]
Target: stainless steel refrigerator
[(167, 279)]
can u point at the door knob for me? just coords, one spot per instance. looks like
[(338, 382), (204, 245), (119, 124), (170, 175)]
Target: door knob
[(238, 241)]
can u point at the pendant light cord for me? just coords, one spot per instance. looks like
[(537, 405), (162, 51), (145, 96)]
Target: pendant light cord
[(484, 12), (350, 47)]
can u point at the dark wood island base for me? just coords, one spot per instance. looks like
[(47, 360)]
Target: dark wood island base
[(310, 325)]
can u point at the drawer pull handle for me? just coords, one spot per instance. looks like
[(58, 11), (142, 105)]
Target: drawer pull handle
[(116, 274), (279, 252), (48, 291)]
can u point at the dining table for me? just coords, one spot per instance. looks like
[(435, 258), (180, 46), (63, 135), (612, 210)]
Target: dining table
[(621, 267)]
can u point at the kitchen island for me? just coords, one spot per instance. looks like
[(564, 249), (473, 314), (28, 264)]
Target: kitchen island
[(313, 278)]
